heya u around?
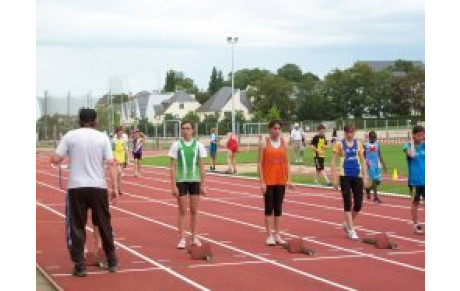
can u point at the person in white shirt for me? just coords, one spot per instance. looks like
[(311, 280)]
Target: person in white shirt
[(88, 150), (296, 140), (187, 178)]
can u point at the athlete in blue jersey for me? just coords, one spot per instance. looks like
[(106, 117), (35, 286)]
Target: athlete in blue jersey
[(374, 163), (415, 154)]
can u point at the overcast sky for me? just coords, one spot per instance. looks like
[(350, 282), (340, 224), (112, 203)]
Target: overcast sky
[(82, 44)]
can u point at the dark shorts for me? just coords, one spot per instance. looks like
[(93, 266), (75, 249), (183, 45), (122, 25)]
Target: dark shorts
[(137, 155), (419, 193), (192, 188), (213, 149), (319, 163)]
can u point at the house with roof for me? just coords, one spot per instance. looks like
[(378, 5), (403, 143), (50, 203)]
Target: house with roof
[(221, 102), (178, 105), (142, 104)]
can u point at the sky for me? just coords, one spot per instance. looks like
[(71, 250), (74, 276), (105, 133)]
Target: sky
[(128, 45)]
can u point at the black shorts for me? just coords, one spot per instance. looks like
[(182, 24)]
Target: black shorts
[(419, 194), (319, 163), (192, 188), (137, 155)]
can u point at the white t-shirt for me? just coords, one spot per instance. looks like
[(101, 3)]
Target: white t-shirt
[(88, 150), (296, 134), (175, 147)]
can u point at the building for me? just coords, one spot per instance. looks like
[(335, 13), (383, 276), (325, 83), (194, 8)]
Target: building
[(221, 102)]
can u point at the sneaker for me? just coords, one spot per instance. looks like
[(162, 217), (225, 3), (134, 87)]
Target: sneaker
[(79, 271), (315, 183), (345, 228), (418, 229), (112, 266), (377, 200), (352, 234), (368, 193), (196, 242), (329, 184), (279, 240), (270, 241), (181, 244)]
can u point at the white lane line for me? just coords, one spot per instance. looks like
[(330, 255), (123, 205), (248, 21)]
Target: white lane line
[(405, 253), (328, 258), (162, 267), (226, 264), (105, 272), (286, 267)]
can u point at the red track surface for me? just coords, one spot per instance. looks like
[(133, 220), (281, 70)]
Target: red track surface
[(231, 219)]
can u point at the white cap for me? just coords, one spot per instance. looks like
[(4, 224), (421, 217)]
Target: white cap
[(296, 124)]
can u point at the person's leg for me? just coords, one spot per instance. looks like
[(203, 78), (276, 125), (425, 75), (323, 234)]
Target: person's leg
[(76, 216), (278, 206), (328, 182), (233, 161), (99, 205), (357, 188), (194, 191), (229, 160), (346, 195), (315, 181), (138, 166), (268, 202), (119, 175), (182, 209)]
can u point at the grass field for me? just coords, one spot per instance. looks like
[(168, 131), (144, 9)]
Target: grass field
[(393, 155)]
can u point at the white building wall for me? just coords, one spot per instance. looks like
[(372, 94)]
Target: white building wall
[(238, 106)]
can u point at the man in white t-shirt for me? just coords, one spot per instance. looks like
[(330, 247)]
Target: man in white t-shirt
[(187, 178), (88, 151), (296, 140)]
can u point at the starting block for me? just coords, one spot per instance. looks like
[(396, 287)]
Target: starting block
[(381, 241), (97, 259), (296, 246), (202, 252)]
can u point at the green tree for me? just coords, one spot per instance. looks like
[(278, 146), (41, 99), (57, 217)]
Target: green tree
[(246, 77), (274, 113), (273, 90), (290, 72), (170, 81), (216, 81), (191, 116)]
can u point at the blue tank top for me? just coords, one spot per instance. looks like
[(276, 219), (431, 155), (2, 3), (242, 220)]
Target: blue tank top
[(372, 154), (351, 166)]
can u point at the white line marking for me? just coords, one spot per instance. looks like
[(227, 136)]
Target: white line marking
[(227, 264), (105, 272), (164, 268), (405, 253), (328, 258)]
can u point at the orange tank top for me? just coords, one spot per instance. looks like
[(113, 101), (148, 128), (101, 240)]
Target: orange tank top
[(274, 164)]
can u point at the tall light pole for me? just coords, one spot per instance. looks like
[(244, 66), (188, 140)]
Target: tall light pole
[(233, 40)]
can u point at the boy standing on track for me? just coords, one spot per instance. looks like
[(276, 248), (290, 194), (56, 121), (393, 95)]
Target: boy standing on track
[(187, 177), (415, 154), (374, 159), (273, 168), (213, 148), (88, 150), (352, 171), (319, 146)]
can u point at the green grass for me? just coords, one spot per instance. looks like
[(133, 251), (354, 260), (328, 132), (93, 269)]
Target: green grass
[(393, 155), (302, 179)]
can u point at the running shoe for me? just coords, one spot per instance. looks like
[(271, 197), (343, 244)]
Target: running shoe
[(352, 234), (196, 242), (182, 243), (279, 240), (368, 193), (270, 241), (418, 229), (377, 200)]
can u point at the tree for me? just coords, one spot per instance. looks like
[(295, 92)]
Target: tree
[(274, 113), (216, 81), (290, 72), (246, 77), (202, 96), (273, 90), (191, 116), (170, 81)]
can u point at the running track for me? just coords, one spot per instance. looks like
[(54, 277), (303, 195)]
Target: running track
[(144, 221)]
